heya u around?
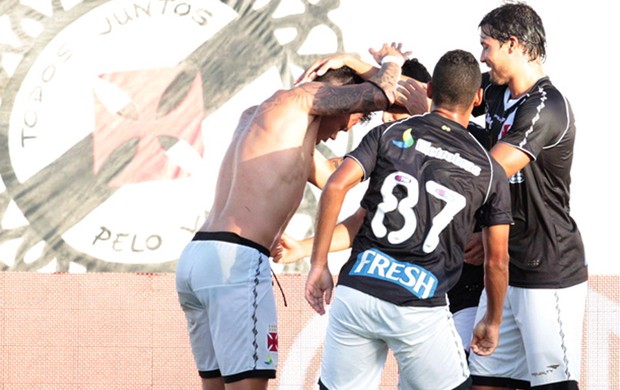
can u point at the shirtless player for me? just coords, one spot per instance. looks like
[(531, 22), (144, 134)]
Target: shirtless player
[(223, 275)]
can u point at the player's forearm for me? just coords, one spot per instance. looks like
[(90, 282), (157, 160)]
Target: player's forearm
[(364, 69), (342, 237), (341, 240), (385, 81), (330, 205), (322, 169), (496, 283), (495, 239)]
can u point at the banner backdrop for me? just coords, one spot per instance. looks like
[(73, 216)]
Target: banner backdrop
[(115, 114)]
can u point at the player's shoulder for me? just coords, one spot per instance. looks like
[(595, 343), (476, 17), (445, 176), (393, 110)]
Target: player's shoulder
[(286, 101), (545, 90), (545, 101)]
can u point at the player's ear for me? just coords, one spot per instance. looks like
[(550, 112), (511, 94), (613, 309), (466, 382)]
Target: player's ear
[(429, 90), (478, 98), (513, 42)]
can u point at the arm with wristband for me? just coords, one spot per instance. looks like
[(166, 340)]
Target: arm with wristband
[(391, 64)]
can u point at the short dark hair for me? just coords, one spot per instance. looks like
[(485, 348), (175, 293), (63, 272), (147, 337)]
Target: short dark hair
[(414, 69), (517, 20), (340, 76), (456, 79)]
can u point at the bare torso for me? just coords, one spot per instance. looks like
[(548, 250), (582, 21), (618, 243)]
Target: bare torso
[(264, 172)]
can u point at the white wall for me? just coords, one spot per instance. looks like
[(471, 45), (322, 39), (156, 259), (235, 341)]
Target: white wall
[(580, 38)]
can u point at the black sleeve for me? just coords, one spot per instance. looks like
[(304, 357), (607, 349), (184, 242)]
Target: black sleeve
[(497, 209), (480, 134), (367, 151)]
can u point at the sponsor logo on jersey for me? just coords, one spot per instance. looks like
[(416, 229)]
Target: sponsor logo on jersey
[(415, 279), (407, 141), (402, 179), (428, 149)]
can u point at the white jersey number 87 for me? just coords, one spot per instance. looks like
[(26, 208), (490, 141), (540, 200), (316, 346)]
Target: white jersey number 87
[(455, 202)]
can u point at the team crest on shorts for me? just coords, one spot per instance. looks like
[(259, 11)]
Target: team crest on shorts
[(272, 339)]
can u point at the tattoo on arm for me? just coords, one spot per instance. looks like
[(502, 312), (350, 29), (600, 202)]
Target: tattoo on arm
[(366, 97), (332, 100), (387, 80), (335, 162)]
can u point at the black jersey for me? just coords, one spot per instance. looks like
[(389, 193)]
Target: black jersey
[(546, 249), (466, 293), (428, 178)]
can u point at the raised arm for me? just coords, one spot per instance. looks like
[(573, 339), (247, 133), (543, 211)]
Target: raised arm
[(336, 61), (322, 99)]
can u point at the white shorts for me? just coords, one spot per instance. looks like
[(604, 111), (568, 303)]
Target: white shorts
[(464, 321), (540, 338), (225, 291), (423, 340)]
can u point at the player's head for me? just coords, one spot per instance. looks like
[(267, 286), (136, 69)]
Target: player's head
[(520, 21), (456, 81), (340, 76), (331, 125), (414, 69)]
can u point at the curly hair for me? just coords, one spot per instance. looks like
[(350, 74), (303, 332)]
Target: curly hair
[(517, 20)]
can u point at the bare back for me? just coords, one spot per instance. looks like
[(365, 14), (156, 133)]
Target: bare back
[(264, 172)]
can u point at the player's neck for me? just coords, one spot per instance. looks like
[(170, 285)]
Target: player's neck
[(457, 117), (525, 79)]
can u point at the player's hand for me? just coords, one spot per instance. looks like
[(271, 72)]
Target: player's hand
[(485, 338), (287, 251), (393, 49), (319, 288), (322, 65), (411, 94), (474, 250)]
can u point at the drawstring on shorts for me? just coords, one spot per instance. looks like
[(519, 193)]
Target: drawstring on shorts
[(279, 286)]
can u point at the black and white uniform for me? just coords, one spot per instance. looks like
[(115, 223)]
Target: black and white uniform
[(546, 249), (428, 178)]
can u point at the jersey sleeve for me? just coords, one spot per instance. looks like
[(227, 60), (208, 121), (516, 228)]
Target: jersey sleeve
[(365, 154), (539, 123), (497, 208)]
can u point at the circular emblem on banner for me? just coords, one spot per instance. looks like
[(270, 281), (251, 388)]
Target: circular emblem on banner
[(118, 113)]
